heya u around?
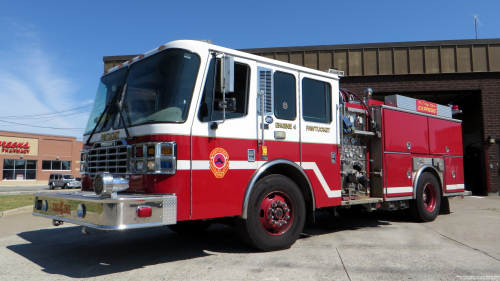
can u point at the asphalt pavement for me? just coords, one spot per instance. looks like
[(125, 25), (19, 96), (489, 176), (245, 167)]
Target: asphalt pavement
[(464, 245)]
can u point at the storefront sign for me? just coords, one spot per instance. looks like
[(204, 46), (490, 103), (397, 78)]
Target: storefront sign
[(21, 146)]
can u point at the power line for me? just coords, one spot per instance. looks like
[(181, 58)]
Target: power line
[(73, 129), (49, 113)]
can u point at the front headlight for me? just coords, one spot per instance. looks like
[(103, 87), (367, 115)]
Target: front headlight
[(139, 165), (151, 165)]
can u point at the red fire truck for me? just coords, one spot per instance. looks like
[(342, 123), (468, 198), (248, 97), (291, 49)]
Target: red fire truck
[(191, 133)]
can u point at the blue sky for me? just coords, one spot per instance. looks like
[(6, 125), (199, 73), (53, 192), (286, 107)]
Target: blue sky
[(51, 51)]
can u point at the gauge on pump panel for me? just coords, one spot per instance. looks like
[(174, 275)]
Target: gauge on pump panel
[(346, 140), (351, 119), (353, 141)]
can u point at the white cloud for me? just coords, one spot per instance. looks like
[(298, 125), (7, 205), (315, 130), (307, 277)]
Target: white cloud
[(31, 82)]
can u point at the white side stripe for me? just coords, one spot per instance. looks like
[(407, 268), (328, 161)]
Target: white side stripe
[(326, 188), (454, 186), (245, 165), (403, 189)]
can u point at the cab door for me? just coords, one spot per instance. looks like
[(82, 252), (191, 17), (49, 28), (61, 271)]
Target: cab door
[(280, 132), (222, 161), (320, 138)]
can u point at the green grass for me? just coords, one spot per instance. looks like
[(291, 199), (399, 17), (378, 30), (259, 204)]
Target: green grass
[(15, 201)]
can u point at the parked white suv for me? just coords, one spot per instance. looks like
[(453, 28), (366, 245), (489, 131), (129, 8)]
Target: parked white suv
[(63, 181)]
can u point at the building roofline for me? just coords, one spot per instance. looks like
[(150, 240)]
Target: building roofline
[(117, 58), (346, 46), (35, 134), (374, 45)]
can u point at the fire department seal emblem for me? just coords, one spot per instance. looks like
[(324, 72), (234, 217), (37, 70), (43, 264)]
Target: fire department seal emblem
[(285, 105), (219, 162)]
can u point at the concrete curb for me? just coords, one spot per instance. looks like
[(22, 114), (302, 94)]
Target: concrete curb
[(25, 209), (27, 192)]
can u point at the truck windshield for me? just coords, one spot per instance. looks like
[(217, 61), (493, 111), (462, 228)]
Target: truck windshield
[(159, 88), (107, 89)]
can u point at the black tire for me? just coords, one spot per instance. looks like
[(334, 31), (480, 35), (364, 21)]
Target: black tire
[(426, 207), (51, 186), (258, 229), (190, 227), (65, 186)]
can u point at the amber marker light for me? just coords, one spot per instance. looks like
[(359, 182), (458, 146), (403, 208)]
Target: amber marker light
[(151, 151), (166, 150), (130, 61), (161, 48), (141, 56)]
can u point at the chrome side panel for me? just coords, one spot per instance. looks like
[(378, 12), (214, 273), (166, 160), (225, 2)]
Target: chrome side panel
[(115, 213), (261, 170)]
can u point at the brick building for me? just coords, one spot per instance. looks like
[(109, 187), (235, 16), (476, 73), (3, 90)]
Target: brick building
[(462, 72), (29, 159)]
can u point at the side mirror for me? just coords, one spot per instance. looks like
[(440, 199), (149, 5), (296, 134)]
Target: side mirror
[(229, 104), (227, 74)]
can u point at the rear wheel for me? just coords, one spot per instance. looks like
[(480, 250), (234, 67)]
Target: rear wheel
[(65, 186), (190, 227), (276, 214), (52, 186), (426, 206)]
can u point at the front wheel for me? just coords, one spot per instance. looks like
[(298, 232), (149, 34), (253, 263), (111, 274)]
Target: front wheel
[(426, 206), (276, 214), (52, 186), (65, 186)]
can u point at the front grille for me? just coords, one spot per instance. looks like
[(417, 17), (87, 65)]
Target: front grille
[(111, 159)]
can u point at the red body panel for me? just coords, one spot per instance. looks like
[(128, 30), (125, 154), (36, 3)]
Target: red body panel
[(401, 128), (429, 137), (397, 167), (219, 197), (444, 133), (321, 155)]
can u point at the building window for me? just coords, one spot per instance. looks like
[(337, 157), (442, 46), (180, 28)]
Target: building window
[(15, 169), (56, 165)]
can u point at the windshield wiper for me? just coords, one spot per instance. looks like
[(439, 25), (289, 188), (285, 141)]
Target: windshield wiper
[(113, 102), (120, 111)]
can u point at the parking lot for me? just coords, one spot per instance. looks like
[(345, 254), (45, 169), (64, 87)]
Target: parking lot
[(464, 245)]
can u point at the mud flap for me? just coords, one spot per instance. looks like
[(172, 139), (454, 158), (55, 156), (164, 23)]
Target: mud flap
[(445, 206)]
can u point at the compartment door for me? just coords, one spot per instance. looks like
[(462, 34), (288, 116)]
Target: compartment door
[(398, 174), (454, 174), (401, 129), (445, 137)]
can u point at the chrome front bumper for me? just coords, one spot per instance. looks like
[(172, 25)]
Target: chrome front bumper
[(108, 213)]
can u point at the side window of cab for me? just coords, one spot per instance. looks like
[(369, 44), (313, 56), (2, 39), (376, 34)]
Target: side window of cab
[(212, 94)]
